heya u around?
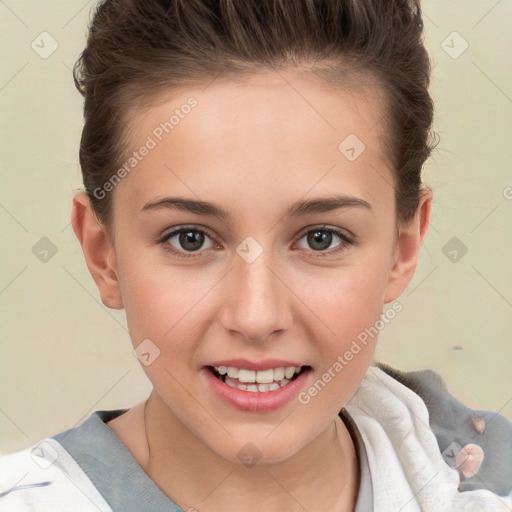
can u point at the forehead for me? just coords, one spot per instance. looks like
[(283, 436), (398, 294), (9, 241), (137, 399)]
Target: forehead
[(277, 132)]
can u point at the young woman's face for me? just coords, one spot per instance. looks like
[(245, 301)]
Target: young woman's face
[(274, 283)]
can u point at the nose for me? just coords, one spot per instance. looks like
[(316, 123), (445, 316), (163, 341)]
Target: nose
[(256, 304)]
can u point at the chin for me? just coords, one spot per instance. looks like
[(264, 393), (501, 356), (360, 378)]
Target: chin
[(258, 449)]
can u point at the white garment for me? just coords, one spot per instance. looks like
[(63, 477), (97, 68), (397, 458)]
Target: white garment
[(47, 461), (407, 470)]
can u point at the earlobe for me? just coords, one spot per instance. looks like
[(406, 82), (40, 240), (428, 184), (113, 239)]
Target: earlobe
[(98, 250), (408, 246)]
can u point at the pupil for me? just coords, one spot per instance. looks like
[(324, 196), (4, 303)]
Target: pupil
[(193, 237), (324, 238)]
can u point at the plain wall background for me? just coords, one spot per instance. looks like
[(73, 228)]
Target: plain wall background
[(64, 355)]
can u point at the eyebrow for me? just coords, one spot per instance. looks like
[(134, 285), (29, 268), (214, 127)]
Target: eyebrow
[(317, 205)]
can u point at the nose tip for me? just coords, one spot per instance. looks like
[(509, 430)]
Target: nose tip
[(254, 305)]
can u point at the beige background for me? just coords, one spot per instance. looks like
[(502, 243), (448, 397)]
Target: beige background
[(64, 355)]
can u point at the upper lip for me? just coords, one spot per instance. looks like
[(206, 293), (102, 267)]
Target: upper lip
[(256, 365)]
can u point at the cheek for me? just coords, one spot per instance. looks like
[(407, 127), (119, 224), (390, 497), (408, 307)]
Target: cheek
[(347, 301), (347, 310), (159, 300), (167, 307)]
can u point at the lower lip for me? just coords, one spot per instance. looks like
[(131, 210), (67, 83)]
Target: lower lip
[(259, 401)]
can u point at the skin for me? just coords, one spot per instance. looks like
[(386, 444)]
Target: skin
[(253, 146)]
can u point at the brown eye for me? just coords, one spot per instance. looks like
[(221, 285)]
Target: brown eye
[(185, 240), (319, 239), (191, 240)]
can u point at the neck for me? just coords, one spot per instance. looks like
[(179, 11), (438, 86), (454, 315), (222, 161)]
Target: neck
[(324, 475)]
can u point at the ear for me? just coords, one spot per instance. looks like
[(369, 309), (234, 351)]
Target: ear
[(408, 246), (98, 250)]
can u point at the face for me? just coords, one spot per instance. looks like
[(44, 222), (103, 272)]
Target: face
[(270, 284)]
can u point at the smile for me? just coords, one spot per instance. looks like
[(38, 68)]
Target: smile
[(260, 381), (256, 386)]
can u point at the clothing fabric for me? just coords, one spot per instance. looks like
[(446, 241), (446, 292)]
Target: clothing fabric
[(88, 468), (118, 478)]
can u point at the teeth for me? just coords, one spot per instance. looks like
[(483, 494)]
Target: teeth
[(289, 372), (246, 375), (265, 376), (254, 388), (257, 381), (260, 377), (232, 372), (278, 373)]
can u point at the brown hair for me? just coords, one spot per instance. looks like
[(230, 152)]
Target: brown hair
[(138, 48)]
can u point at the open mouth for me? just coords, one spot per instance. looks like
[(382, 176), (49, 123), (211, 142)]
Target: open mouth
[(261, 381)]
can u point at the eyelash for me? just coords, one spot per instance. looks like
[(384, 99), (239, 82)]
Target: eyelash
[(346, 241)]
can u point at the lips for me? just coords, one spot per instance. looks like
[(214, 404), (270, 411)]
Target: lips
[(256, 365), (257, 387)]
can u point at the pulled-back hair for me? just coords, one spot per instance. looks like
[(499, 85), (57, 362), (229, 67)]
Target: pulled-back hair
[(136, 49)]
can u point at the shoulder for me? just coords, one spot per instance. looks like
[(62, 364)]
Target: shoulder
[(45, 478), (477, 443)]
